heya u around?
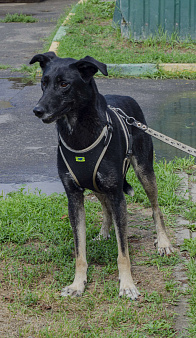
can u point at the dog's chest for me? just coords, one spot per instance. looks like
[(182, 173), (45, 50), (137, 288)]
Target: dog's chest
[(83, 164)]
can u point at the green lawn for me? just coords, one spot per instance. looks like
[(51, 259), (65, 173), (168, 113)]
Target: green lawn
[(91, 32)]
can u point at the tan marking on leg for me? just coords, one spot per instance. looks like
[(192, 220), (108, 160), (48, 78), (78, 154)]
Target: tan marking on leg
[(127, 286), (150, 187), (80, 280)]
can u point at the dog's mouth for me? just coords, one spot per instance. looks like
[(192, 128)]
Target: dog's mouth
[(56, 116), (49, 119)]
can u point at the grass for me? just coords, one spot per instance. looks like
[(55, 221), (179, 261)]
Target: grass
[(192, 277), (19, 18), (90, 32), (37, 260), (190, 246), (4, 66)]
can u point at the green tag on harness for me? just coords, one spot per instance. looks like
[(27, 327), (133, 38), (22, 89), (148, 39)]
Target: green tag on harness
[(80, 159)]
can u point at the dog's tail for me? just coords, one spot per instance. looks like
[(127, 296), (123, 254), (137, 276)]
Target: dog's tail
[(127, 188)]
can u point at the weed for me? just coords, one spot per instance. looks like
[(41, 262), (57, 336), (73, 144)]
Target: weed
[(161, 327), (191, 214), (192, 301), (153, 297), (31, 70), (158, 261), (163, 74), (4, 66), (190, 246), (171, 284), (29, 298), (19, 18)]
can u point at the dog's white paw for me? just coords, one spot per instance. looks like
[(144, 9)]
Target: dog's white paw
[(100, 237), (164, 247), (72, 290), (129, 292), (131, 192)]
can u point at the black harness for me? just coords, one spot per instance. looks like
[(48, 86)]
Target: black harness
[(83, 164)]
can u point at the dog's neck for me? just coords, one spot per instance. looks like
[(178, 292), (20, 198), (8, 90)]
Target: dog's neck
[(81, 127)]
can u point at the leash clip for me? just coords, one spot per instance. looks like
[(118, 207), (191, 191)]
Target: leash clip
[(133, 122), (130, 121)]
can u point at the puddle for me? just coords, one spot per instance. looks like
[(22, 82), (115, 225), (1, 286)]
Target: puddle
[(5, 104), (177, 119), (45, 187), (20, 82)]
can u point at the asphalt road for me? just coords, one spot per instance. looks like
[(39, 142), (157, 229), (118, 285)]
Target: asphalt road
[(27, 146), (20, 40)]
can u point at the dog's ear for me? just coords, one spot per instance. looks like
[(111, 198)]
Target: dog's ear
[(88, 66), (43, 59)]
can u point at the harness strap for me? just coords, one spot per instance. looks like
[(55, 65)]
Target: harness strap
[(67, 164), (93, 145), (99, 161), (69, 158), (124, 127), (128, 139)]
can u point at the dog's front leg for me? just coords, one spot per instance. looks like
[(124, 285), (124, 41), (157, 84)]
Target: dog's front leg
[(119, 213), (77, 219)]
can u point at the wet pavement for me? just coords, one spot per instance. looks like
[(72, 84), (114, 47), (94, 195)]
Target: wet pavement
[(28, 147)]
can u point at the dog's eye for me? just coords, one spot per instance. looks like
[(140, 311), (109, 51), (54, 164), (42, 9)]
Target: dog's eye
[(44, 84), (64, 84)]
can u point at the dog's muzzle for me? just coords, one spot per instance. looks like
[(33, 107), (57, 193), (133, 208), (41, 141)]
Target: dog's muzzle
[(39, 111)]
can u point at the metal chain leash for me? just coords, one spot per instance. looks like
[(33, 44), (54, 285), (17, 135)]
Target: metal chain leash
[(133, 122)]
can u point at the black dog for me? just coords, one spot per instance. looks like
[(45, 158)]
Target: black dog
[(95, 149)]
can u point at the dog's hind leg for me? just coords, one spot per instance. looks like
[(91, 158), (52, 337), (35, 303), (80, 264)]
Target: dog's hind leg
[(107, 217), (147, 178), (77, 219), (119, 213)]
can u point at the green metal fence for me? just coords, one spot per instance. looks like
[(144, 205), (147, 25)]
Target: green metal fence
[(142, 18)]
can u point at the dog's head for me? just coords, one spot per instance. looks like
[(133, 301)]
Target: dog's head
[(67, 84)]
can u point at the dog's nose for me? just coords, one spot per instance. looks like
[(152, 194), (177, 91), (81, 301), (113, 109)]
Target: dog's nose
[(39, 111)]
